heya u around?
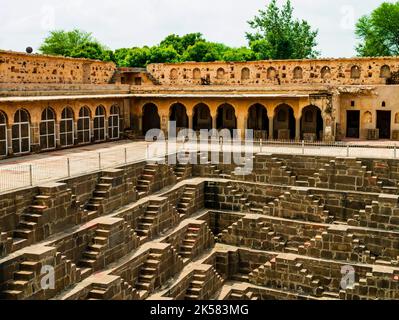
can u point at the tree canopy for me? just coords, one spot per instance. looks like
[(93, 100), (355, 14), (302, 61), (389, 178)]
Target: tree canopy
[(76, 44), (379, 32), (277, 35)]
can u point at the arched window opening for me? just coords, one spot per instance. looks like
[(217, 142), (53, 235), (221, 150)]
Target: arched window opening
[(47, 130)]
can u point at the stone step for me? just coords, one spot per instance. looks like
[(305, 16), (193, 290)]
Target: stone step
[(97, 294), (19, 243), (88, 263), (23, 234), (24, 275), (12, 294), (148, 271), (100, 240), (32, 217), (18, 285), (103, 233), (27, 225), (93, 206), (37, 208), (91, 255), (33, 266), (143, 286)]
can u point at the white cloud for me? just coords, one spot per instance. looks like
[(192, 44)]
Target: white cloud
[(125, 23)]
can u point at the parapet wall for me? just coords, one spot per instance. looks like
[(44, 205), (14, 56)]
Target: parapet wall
[(16, 67), (354, 71)]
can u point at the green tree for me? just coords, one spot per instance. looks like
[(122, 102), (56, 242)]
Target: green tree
[(379, 32), (136, 57), (239, 54), (205, 52), (163, 55), (180, 44), (75, 43), (277, 35)]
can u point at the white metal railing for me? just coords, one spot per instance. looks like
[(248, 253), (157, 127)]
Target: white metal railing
[(53, 168)]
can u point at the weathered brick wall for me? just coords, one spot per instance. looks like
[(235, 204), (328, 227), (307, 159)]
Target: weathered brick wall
[(275, 72), (16, 67), (12, 205)]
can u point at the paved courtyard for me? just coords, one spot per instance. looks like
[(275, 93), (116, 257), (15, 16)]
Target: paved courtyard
[(40, 168)]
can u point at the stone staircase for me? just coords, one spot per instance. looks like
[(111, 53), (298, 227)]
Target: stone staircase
[(242, 295), (190, 239), (182, 171), (112, 239), (146, 179), (147, 276), (26, 281), (95, 206), (204, 284), (31, 220), (240, 201), (348, 248), (298, 203), (186, 201), (92, 254), (147, 222), (280, 173)]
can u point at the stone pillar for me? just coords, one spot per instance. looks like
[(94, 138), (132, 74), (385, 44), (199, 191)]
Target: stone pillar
[(298, 128), (140, 123), (271, 128), (190, 120), (126, 114), (92, 129), (57, 135), (34, 137), (241, 119), (214, 120), (9, 141)]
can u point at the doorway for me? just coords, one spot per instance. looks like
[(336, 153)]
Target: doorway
[(353, 124), (384, 124)]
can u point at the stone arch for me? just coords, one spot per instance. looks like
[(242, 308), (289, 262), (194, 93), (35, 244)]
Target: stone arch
[(197, 74), (67, 126), (21, 132), (178, 113), (151, 118), (220, 74), (271, 73), (258, 121), (47, 129), (99, 129), (312, 123), (325, 72), (202, 118), (226, 117), (3, 134), (245, 74), (173, 74), (83, 127), (298, 73), (114, 122), (385, 72), (355, 72), (397, 118), (284, 122)]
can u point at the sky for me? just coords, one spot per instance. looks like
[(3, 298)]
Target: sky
[(129, 23)]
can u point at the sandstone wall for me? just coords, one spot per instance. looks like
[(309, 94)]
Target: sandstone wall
[(16, 67)]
